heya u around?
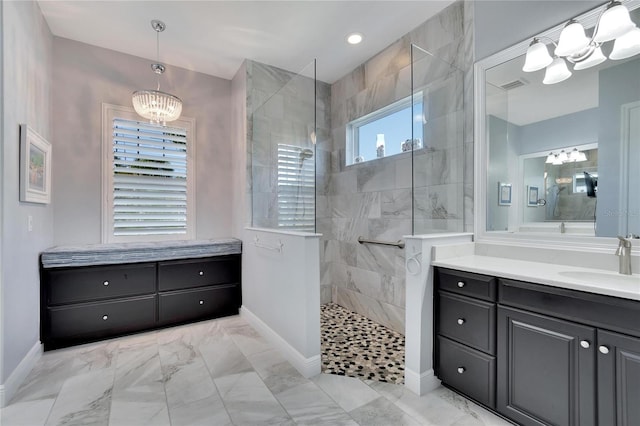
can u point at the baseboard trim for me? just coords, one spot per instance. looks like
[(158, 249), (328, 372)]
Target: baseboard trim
[(308, 367), (420, 384), (9, 388)]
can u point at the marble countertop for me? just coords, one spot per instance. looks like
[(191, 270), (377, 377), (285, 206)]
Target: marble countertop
[(109, 254), (572, 277)]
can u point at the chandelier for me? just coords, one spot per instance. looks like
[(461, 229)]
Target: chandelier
[(614, 23), (154, 105)]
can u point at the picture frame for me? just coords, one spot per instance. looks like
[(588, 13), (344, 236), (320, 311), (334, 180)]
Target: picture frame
[(504, 194), (35, 167), (532, 196)]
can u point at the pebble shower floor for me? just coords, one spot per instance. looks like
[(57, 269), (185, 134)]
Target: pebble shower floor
[(354, 346)]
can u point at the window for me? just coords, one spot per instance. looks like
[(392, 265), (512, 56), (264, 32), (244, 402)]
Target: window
[(148, 178), (296, 188), (386, 132)]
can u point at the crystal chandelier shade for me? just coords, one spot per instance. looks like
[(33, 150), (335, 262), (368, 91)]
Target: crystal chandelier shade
[(156, 106)]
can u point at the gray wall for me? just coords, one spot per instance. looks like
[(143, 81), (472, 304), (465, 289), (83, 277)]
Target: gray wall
[(241, 192), (619, 85), (86, 76), (374, 199), (566, 131), (26, 99), (500, 24)]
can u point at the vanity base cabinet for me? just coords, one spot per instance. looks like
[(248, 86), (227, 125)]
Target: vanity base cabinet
[(88, 303), (545, 374), (618, 379)]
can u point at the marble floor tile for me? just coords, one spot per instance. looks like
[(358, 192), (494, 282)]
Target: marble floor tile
[(308, 404), (474, 414), (138, 368), (84, 399), (430, 408), (205, 412), (182, 371), (348, 392), (139, 413), (223, 357), (275, 371), (249, 402), (248, 340), (381, 412), (28, 413), (46, 378)]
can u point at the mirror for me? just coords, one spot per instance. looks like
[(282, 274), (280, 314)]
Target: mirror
[(569, 152)]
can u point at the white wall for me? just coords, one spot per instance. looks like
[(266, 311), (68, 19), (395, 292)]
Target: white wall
[(86, 76), (26, 49), (281, 293)]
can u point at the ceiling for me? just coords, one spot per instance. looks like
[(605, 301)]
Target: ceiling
[(214, 37)]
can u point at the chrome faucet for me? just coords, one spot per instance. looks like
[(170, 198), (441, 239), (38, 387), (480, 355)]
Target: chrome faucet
[(624, 252)]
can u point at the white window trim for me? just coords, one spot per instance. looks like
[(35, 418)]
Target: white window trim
[(109, 112), (353, 143)]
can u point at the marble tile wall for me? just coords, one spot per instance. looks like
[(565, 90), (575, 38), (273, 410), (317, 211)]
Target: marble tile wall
[(373, 199), (281, 108)]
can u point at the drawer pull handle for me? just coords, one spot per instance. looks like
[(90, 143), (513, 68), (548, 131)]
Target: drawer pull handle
[(603, 349), (105, 317), (105, 283), (202, 302), (585, 344), (201, 273), (460, 284), (461, 370), (461, 321)]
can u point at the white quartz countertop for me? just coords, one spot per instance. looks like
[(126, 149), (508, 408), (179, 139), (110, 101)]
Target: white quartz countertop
[(572, 277)]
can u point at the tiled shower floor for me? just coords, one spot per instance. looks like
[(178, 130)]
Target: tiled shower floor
[(354, 346)]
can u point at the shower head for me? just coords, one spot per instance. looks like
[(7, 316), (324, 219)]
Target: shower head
[(306, 153)]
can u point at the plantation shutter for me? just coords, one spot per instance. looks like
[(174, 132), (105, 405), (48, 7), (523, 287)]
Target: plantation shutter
[(149, 179), (296, 189)]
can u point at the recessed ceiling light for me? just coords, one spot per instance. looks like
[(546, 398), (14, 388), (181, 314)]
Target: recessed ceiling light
[(354, 38)]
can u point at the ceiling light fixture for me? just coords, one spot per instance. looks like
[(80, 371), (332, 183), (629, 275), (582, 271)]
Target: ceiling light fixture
[(354, 38), (614, 23), (154, 105)]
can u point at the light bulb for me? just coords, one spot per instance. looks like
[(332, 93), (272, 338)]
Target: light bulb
[(556, 72), (537, 56), (615, 21), (597, 57), (626, 45), (572, 39)]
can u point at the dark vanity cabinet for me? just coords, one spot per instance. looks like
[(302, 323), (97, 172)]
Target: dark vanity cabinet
[(562, 357), (465, 341), (88, 303)]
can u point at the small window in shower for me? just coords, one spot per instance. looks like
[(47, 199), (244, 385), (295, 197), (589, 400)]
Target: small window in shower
[(296, 188), (386, 132)]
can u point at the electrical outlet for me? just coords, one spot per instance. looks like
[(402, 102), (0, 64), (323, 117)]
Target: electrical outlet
[(30, 223)]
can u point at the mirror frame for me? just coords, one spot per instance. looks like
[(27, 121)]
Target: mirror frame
[(481, 160)]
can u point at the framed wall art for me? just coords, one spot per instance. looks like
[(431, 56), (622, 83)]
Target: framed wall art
[(504, 194), (532, 199), (35, 167)]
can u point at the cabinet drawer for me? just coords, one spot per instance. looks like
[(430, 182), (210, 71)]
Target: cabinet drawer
[(466, 283), (183, 274), (469, 321), (99, 282), (467, 370), (94, 320), (190, 305)]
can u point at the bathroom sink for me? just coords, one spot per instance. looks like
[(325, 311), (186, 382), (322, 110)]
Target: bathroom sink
[(603, 278)]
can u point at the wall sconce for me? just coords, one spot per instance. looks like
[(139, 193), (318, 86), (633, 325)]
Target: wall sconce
[(575, 47)]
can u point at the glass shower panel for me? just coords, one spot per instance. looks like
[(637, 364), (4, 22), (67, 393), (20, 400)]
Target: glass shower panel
[(437, 144), (283, 157), (502, 161)]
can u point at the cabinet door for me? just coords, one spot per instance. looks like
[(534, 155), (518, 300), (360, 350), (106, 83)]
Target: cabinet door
[(546, 370), (618, 379)]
